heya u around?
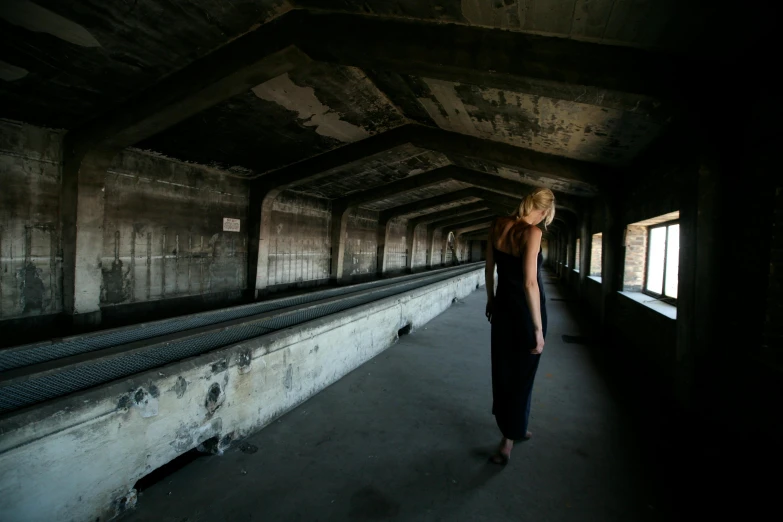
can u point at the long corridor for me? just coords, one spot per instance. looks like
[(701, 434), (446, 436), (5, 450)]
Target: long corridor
[(407, 437)]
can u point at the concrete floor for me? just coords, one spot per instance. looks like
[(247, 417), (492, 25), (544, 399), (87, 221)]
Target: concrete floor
[(407, 437)]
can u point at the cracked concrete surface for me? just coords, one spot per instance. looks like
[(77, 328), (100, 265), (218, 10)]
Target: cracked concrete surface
[(406, 436)]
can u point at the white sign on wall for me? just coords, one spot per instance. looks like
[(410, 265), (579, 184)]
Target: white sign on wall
[(230, 225)]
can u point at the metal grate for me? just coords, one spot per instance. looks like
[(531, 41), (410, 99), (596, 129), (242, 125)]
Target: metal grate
[(37, 353), (109, 368)]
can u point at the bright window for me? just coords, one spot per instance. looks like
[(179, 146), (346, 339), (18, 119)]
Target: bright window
[(663, 260)]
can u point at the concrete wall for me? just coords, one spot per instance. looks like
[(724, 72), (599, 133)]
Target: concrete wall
[(437, 252), (420, 250), (163, 230), (87, 451), (651, 335), (361, 244), (395, 247), (299, 249), (30, 250), (593, 298), (164, 250)]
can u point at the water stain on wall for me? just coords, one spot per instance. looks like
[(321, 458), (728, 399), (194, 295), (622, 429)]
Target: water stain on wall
[(32, 288)]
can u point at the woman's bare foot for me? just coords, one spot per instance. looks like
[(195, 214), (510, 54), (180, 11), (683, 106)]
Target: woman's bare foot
[(503, 454)]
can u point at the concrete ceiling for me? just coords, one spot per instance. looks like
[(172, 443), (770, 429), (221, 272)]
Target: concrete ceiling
[(75, 59), (417, 194), (385, 167), (564, 94), (686, 27), (309, 111)]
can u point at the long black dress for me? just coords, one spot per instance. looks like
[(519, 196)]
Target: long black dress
[(513, 336)]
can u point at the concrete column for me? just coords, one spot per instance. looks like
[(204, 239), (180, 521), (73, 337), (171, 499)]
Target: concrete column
[(571, 250), (382, 239), (430, 245), (262, 199), (444, 244), (410, 245), (613, 251), (82, 217), (339, 232), (585, 249)]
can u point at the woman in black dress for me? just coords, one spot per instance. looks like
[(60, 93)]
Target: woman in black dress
[(517, 312)]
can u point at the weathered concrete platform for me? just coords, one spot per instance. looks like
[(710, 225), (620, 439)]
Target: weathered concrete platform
[(406, 436)]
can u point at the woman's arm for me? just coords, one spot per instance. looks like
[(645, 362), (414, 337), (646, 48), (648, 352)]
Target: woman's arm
[(489, 273), (532, 239)]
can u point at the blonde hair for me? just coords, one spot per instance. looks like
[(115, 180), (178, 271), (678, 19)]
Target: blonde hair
[(539, 199)]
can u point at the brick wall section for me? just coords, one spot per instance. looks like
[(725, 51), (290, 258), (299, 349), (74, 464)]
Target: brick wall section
[(635, 258), (595, 256)]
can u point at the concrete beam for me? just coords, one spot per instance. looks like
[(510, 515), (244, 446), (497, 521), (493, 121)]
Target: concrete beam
[(252, 59), (433, 177), (480, 235), (265, 189), (461, 228), (463, 219), (408, 184), (506, 202), (235, 68), (586, 178), (454, 212), (514, 188), (483, 225), (486, 56)]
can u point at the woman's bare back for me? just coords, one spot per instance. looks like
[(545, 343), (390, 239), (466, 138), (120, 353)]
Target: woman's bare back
[(509, 235)]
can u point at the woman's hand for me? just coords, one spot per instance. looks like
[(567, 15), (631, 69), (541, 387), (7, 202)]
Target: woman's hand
[(539, 343), (490, 308)]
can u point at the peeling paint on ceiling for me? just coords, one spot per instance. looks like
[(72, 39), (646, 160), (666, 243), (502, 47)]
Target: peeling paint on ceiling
[(40, 20), (575, 130), (309, 111), (283, 91)]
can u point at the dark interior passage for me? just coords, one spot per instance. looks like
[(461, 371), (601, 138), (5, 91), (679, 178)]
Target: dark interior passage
[(160, 159)]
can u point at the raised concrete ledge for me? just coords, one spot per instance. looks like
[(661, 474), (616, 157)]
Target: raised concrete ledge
[(78, 457), (652, 303)]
